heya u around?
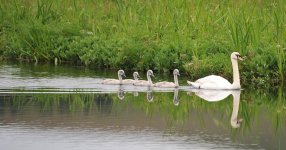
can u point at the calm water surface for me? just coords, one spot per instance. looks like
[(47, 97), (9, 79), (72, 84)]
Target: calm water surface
[(47, 107)]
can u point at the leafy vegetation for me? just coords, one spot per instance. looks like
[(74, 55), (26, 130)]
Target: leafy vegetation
[(195, 36)]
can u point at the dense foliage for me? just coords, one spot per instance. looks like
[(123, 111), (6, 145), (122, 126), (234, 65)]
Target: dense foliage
[(195, 36)]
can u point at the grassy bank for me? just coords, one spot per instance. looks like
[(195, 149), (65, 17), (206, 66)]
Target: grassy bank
[(195, 36)]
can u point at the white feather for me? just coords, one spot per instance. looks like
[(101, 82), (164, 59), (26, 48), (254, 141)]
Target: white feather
[(215, 82)]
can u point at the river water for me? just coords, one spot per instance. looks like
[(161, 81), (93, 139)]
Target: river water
[(57, 107)]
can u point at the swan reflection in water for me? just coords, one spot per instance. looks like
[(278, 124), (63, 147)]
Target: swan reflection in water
[(121, 94), (176, 99), (218, 95), (149, 95), (135, 93)]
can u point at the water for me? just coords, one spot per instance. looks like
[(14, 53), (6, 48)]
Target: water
[(47, 107)]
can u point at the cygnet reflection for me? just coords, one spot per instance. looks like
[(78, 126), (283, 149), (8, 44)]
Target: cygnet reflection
[(176, 100), (135, 93), (121, 94), (149, 95)]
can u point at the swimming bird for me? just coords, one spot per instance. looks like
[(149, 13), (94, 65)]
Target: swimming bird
[(120, 73), (170, 84), (217, 82), (131, 81), (144, 82)]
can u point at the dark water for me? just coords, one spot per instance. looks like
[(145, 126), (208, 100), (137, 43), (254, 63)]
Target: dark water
[(44, 107)]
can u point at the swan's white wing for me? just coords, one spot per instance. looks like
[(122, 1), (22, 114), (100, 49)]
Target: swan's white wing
[(164, 84), (142, 83), (128, 81), (212, 82), (167, 85), (160, 83), (110, 81), (213, 79)]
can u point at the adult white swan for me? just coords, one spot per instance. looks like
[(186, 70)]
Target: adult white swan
[(218, 82), (120, 73), (170, 84), (146, 83)]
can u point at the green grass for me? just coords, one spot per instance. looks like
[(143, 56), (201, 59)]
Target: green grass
[(195, 36)]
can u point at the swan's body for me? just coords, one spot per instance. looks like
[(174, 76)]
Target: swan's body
[(145, 83), (217, 82), (166, 84), (131, 81), (120, 73)]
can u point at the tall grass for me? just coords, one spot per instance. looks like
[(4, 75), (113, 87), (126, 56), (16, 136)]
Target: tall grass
[(194, 36)]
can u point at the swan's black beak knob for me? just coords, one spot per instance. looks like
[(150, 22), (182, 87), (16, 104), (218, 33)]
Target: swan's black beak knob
[(239, 57)]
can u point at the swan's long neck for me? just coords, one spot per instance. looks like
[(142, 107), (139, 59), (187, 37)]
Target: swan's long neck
[(149, 79), (236, 80), (120, 78), (236, 100), (176, 80), (135, 77)]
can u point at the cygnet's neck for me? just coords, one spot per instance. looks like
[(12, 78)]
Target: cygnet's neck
[(149, 79), (176, 80), (120, 78), (135, 77)]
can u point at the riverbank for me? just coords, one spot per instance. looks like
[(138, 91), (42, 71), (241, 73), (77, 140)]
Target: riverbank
[(195, 36)]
